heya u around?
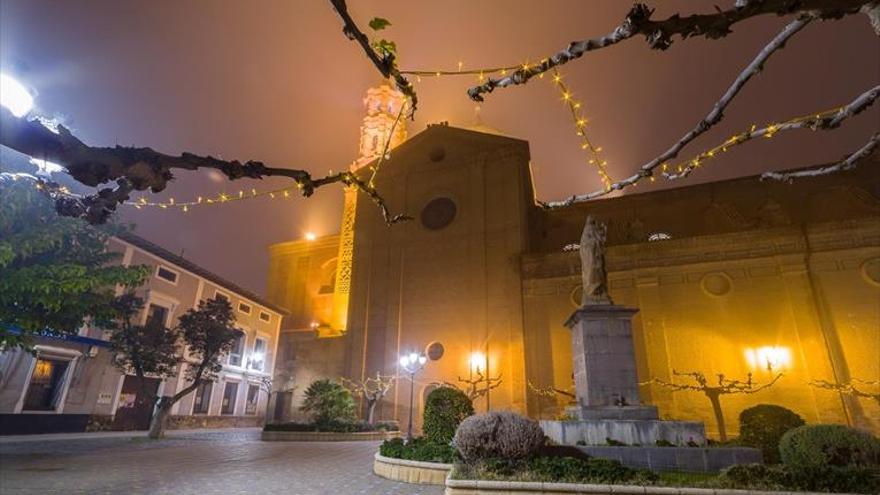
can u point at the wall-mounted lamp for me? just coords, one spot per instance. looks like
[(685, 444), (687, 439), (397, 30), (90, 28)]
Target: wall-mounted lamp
[(771, 358)]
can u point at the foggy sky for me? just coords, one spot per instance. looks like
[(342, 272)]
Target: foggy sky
[(277, 81)]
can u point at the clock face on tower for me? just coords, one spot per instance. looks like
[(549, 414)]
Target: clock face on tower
[(438, 213)]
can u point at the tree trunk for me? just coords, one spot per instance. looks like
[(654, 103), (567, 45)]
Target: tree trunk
[(719, 416), (160, 417), (371, 410)]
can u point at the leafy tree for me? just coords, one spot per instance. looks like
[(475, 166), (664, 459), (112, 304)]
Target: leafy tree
[(208, 333), (445, 409), (54, 271), (328, 402)]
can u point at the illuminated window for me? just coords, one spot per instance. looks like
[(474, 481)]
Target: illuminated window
[(258, 357), (166, 274), (659, 236), (46, 385), (244, 308)]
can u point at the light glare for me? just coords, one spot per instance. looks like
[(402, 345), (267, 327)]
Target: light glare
[(14, 96)]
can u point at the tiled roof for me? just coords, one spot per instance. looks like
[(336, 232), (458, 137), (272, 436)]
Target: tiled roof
[(188, 265)]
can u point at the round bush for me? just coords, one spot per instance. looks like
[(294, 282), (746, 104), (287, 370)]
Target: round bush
[(499, 434), (445, 408), (762, 427), (328, 403), (812, 447)]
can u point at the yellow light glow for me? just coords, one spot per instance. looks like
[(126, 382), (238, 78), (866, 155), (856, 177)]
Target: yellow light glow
[(771, 358), (310, 236), (478, 361), (14, 96)]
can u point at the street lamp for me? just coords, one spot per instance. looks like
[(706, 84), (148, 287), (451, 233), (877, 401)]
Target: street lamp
[(412, 363)]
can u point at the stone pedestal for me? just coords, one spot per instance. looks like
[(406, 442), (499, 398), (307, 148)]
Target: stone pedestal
[(605, 378), (607, 387)]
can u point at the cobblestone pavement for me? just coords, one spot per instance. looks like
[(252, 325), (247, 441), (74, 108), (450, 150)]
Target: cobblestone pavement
[(215, 462)]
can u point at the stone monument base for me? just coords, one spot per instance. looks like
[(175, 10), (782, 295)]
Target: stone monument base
[(642, 432), (586, 413)]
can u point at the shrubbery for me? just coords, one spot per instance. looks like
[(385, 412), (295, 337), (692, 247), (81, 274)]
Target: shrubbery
[(817, 446), (333, 426), (328, 403), (418, 449), (498, 434), (762, 427), (851, 479), (556, 470), (445, 408)]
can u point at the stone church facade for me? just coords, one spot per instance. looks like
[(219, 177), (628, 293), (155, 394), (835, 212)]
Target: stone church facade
[(735, 277)]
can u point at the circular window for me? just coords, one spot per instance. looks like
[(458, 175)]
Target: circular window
[(716, 284), (434, 351), (871, 271), (438, 213)]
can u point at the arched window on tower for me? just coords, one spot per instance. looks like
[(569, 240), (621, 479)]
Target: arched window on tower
[(328, 277)]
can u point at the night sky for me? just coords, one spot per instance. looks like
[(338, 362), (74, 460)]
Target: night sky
[(277, 81)]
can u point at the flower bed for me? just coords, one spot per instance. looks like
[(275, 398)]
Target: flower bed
[(408, 471), (329, 432)]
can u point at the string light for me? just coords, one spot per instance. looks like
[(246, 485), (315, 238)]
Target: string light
[(580, 124)]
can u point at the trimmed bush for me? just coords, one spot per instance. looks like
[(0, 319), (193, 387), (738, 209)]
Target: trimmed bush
[(330, 426), (813, 447), (418, 449), (328, 403), (498, 434), (555, 469), (445, 408), (754, 475), (762, 427)]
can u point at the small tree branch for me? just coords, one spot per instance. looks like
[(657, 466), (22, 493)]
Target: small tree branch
[(386, 64), (139, 169), (847, 164), (659, 34)]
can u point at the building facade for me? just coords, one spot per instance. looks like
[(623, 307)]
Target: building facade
[(71, 384), (740, 278)]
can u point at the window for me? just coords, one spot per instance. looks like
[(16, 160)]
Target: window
[(229, 393), (47, 382), (221, 295), (166, 274), (659, 236), (258, 357), (253, 395), (244, 308), (157, 315), (203, 398), (236, 350), (264, 316), (438, 213)]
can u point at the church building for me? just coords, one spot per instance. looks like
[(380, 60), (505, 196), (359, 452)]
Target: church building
[(741, 278)]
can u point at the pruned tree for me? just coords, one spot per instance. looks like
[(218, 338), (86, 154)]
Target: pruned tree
[(724, 386), (851, 388), (478, 385), (660, 35), (207, 332), (371, 389), (552, 392)]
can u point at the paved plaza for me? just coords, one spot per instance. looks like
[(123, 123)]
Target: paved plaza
[(191, 462)]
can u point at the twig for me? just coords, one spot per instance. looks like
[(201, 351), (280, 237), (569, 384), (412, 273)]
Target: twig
[(386, 64), (659, 34), (849, 163)]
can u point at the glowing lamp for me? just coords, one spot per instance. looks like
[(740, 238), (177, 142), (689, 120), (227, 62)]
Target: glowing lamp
[(769, 357), (14, 96), (310, 236), (478, 361)]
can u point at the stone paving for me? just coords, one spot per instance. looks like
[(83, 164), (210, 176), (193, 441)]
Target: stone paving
[(192, 462)]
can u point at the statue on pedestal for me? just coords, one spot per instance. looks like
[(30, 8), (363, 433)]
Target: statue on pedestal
[(593, 273)]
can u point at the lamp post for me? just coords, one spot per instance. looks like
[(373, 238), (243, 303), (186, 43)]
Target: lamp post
[(412, 363)]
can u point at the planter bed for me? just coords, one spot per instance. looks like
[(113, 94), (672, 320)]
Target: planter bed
[(327, 436), (487, 487), (424, 473)]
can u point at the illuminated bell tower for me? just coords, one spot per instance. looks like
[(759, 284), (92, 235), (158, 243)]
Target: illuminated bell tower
[(383, 105)]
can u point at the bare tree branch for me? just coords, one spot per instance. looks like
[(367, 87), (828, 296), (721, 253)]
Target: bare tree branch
[(550, 391), (659, 34), (386, 63), (847, 164), (480, 385), (849, 388), (139, 169)]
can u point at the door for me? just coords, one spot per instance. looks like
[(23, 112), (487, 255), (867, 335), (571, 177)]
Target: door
[(135, 403)]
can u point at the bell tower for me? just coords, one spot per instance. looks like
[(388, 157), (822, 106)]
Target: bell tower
[(383, 105)]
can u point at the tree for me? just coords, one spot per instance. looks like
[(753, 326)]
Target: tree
[(714, 392), (372, 390), (55, 272), (328, 402), (207, 332), (479, 385), (853, 387)]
